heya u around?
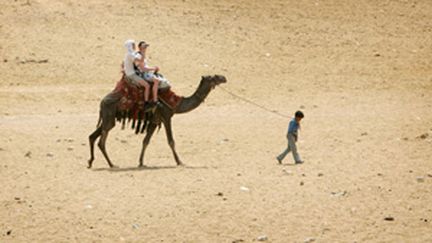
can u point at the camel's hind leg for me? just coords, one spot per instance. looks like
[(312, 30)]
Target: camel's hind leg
[(101, 144), (102, 133), (150, 130), (92, 139)]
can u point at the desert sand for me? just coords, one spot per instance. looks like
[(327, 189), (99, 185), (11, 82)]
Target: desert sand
[(361, 71)]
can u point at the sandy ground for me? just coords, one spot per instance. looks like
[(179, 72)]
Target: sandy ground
[(360, 70)]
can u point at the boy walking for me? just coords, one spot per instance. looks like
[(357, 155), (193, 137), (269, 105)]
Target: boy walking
[(292, 136)]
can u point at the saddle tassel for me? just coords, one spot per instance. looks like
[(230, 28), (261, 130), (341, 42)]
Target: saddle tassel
[(146, 115), (123, 118), (139, 122)]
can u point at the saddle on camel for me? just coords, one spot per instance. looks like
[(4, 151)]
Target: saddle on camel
[(131, 102)]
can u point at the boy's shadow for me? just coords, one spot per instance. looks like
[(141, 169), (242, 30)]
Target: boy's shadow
[(288, 164)]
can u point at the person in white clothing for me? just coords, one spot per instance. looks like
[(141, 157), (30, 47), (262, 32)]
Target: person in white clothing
[(131, 60)]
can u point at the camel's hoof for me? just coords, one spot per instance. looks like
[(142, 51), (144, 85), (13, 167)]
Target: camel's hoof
[(180, 164), (114, 167), (142, 166), (90, 162)]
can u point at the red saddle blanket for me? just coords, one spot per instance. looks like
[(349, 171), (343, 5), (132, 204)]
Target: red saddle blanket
[(133, 96)]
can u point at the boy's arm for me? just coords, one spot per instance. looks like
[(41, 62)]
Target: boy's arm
[(291, 127), (291, 130), (144, 67), (139, 61), (147, 69)]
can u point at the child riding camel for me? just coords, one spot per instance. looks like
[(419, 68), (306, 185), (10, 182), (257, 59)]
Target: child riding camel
[(148, 72)]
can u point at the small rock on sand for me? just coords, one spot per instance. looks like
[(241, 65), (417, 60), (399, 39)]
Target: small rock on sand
[(339, 194), (50, 154), (423, 136), (420, 179), (288, 172), (308, 240), (262, 238), (28, 154), (389, 218), (245, 189)]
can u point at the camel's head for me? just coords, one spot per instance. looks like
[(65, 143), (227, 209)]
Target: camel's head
[(214, 80)]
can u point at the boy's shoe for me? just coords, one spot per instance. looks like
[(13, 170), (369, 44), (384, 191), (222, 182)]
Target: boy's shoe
[(146, 106), (299, 162), (150, 106), (279, 160)]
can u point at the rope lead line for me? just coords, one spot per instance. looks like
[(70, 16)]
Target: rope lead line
[(254, 104)]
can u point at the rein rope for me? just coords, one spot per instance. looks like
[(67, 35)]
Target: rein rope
[(254, 103)]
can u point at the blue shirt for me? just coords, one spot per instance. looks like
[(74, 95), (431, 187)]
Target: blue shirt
[(293, 127)]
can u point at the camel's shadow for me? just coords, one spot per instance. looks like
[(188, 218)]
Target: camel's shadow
[(148, 168)]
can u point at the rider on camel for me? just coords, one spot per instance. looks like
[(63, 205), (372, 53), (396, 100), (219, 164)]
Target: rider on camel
[(131, 60), (147, 71)]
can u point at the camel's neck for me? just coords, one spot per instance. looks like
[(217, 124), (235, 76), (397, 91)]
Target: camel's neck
[(190, 103)]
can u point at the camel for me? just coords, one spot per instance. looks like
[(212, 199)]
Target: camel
[(161, 114)]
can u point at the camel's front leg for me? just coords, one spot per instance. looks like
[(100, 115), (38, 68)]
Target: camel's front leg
[(171, 142), (150, 130)]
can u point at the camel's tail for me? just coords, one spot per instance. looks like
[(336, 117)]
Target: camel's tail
[(100, 119)]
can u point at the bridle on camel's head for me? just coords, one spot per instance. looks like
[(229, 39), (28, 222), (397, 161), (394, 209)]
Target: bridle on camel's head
[(214, 80)]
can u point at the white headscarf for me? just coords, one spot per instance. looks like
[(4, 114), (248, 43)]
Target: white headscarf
[(129, 45)]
